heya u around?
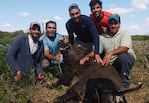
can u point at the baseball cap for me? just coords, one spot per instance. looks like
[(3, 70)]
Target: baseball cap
[(73, 6), (34, 25), (116, 17)]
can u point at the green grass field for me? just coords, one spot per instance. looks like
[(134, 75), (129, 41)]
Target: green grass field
[(26, 92)]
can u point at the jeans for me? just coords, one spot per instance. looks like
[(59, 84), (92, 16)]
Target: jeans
[(124, 64)]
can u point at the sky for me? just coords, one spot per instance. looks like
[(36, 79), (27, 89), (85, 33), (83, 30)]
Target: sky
[(18, 14)]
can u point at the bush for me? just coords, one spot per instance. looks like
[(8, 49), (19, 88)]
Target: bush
[(140, 37)]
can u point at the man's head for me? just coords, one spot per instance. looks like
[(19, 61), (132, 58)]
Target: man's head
[(51, 28), (35, 25), (115, 17), (34, 30), (74, 12), (96, 8), (114, 23)]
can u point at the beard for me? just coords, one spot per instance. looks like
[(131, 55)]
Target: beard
[(35, 37), (51, 34)]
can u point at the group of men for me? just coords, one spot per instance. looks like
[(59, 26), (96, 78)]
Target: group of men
[(99, 33)]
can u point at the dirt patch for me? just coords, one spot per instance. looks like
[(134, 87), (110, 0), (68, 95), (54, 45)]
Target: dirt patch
[(140, 72), (140, 96)]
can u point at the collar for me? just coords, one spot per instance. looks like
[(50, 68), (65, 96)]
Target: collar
[(106, 35), (52, 38)]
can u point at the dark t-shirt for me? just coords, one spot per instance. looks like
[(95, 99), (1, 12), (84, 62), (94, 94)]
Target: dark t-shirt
[(85, 31)]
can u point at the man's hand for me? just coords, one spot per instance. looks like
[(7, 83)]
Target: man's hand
[(84, 59), (64, 40), (40, 76), (18, 76), (106, 59), (98, 59), (57, 57)]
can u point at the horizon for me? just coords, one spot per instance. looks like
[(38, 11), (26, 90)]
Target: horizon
[(17, 15)]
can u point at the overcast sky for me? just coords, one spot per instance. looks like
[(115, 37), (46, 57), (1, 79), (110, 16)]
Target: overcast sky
[(17, 14)]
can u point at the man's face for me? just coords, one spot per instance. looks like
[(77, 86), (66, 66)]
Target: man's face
[(75, 14), (51, 29), (113, 26), (96, 10), (35, 33)]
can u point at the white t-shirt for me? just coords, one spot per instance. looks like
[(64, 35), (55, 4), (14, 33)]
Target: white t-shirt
[(33, 46), (109, 43)]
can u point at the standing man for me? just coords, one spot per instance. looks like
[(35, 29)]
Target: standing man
[(99, 17), (25, 53), (51, 41), (117, 46), (84, 29)]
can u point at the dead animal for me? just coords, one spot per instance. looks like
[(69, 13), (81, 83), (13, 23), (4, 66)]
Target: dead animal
[(89, 83)]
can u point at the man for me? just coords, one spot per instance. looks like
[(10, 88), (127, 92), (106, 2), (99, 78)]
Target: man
[(51, 41), (117, 47), (99, 17), (25, 53), (84, 29)]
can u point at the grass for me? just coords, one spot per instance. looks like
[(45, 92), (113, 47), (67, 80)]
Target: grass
[(6, 40), (25, 91), (140, 37)]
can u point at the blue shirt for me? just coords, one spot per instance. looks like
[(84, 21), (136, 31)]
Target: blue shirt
[(52, 45), (20, 58), (85, 31)]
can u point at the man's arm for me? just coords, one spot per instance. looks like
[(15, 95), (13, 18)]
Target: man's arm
[(39, 70), (117, 51), (96, 39), (12, 52), (95, 34), (48, 55), (70, 33)]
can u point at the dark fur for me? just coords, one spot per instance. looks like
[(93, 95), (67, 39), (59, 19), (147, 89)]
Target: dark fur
[(87, 81)]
